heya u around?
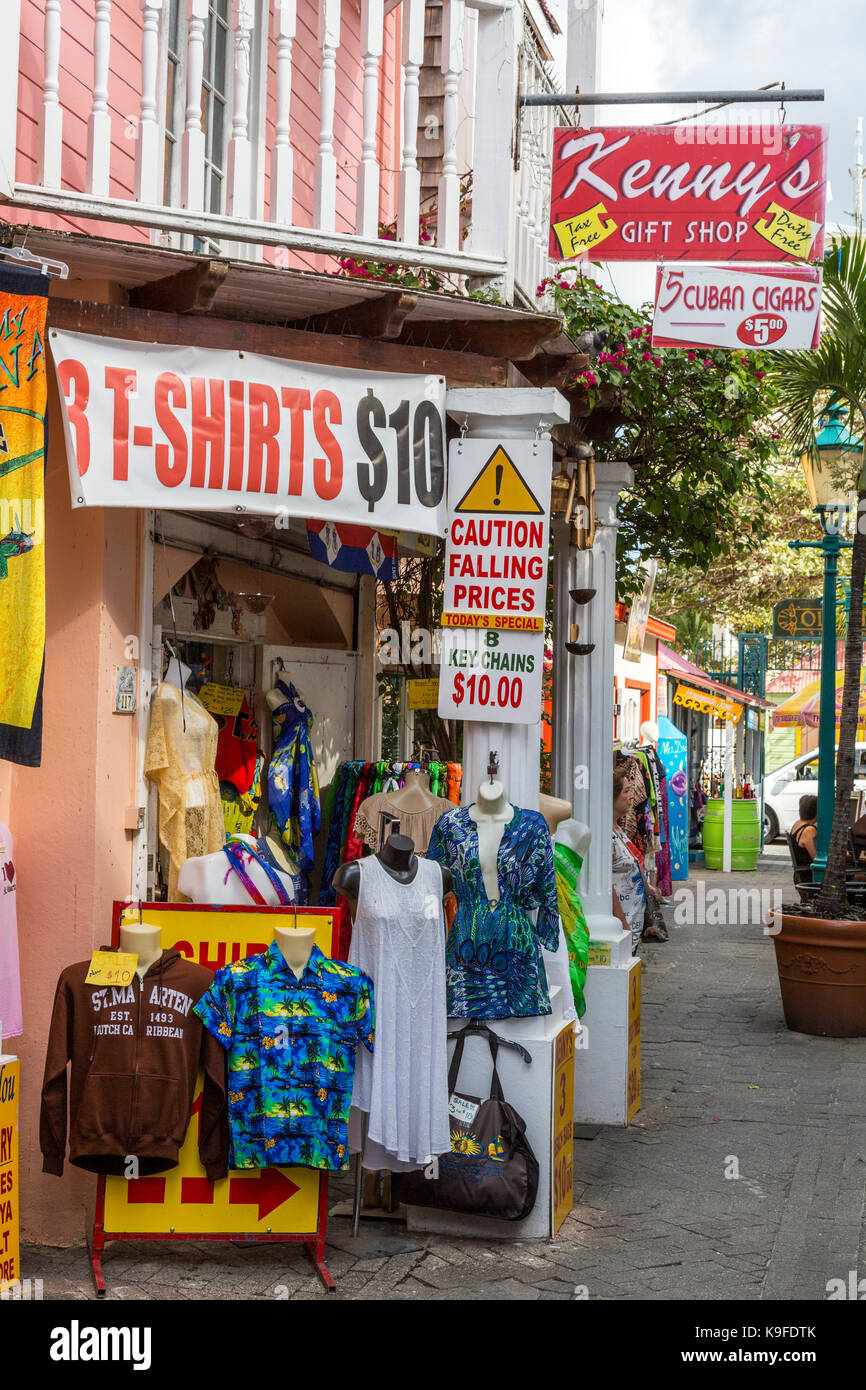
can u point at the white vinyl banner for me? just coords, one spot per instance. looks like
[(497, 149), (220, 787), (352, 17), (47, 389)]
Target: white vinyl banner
[(706, 306), (149, 425)]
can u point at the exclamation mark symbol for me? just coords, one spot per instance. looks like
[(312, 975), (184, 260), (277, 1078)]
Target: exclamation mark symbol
[(499, 472)]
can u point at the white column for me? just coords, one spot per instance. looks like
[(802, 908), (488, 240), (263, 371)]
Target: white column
[(10, 42), (282, 161), (583, 63), (368, 181), (493, 178), (500, 414), (325, 176), (728, 802), (239, 162), (192, 144), (99, 124), (583, 699), (409, 182), (448, 212), (149, 140)]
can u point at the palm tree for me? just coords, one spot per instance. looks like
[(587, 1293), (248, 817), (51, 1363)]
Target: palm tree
[(807, 381)]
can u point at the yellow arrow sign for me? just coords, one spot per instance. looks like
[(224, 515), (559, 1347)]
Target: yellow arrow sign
[(499, 488)]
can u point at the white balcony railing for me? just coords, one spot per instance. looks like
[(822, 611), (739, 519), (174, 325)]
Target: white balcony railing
[(535, 152), (303, 97)]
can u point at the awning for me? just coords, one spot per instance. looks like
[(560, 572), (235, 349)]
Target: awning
[(803, 709), (693, 675)]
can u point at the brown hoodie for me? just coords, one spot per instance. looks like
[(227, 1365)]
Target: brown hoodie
[(135, 1052)]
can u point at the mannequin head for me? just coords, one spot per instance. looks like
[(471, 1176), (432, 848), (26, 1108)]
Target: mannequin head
[(649, 732)]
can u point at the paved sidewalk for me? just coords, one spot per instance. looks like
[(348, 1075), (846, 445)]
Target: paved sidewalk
[(659, 1212)]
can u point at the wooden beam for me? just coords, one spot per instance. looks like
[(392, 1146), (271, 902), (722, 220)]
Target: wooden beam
[(379, 316), (189, 291), (516, 340), (551, 369), (150, 326)]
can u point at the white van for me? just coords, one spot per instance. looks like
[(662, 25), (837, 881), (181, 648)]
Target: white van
[(784, 787)]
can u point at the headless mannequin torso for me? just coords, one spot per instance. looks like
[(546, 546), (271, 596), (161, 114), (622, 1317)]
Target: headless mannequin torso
[(210, 879), (397, 857), (491, 811), (575, 835)]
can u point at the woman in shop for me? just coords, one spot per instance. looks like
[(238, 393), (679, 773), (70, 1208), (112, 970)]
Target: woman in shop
[(631, 892)]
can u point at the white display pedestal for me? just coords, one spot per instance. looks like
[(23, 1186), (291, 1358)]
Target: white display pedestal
[(530, 1089), (607, 1071), (582, 773)]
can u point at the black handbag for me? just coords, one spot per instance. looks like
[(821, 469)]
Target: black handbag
[(491, 1169)]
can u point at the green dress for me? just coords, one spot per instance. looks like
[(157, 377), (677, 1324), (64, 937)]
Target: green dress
[(568, 864)]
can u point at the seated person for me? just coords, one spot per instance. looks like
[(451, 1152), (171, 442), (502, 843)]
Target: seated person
[(804, 832)]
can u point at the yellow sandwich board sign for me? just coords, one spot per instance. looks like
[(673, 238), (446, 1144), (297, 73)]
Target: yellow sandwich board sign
[(183, 1201)]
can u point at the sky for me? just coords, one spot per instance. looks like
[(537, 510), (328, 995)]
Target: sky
[(669, 45)]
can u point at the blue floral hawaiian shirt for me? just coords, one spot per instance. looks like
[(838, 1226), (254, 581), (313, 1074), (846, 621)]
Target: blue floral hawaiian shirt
[(291, 1046)]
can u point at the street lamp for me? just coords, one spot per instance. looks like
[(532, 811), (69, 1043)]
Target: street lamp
[(829, 496)]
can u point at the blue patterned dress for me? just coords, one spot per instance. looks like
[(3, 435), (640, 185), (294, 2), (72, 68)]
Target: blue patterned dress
[(493, 954), (293, 784)]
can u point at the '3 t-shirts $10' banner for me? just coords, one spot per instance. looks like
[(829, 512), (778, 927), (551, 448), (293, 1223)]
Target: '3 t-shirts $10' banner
[(167, 427)]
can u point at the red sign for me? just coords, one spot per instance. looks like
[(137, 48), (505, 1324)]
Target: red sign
[(704, 193)]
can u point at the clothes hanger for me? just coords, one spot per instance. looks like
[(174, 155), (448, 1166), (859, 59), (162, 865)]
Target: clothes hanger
[(476, 1027), (45, 263)]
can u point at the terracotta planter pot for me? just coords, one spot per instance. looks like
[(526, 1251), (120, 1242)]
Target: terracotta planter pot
[(822, 976)]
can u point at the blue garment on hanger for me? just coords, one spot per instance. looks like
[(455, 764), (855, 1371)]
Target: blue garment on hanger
[(293, 784)]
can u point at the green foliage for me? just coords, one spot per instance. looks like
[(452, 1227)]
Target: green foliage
[(693, 425)]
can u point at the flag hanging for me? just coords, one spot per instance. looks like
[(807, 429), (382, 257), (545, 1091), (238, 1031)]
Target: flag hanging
[(354, 549), (23, 307)]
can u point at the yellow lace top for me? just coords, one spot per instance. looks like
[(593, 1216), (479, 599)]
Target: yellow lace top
[(181, 761)]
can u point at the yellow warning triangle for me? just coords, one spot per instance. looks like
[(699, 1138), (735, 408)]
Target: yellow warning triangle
[(499, 488)]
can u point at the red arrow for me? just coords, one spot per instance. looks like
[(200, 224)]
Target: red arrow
[(270, 1189), (196, 1191), (145, 1190)]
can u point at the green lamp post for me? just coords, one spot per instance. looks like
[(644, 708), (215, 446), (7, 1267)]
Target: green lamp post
[(833, 443)]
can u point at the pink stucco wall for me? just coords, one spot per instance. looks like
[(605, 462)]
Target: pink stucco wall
[(72, 855), (76, 86)]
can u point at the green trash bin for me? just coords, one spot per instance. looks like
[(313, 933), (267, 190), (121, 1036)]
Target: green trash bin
[(745, 834)]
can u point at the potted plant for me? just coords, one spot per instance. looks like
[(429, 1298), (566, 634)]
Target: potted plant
[(821, 947)]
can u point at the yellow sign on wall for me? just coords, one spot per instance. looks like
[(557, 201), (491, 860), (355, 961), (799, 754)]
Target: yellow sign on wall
[(10, 1261), (562, 1188), (423, 694), (280, 1201), (633, 1092)]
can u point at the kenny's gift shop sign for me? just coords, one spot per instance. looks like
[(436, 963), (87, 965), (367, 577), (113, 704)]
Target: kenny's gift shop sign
[(150, 425), (702, 193)]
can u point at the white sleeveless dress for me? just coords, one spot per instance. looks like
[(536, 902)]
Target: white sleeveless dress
[(398, 939)]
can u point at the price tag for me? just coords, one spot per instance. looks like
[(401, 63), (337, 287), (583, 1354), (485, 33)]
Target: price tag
[(111, 968), (462, 1109), (491, 675)]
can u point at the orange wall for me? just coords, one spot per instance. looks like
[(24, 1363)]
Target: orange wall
[(72, 855)]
